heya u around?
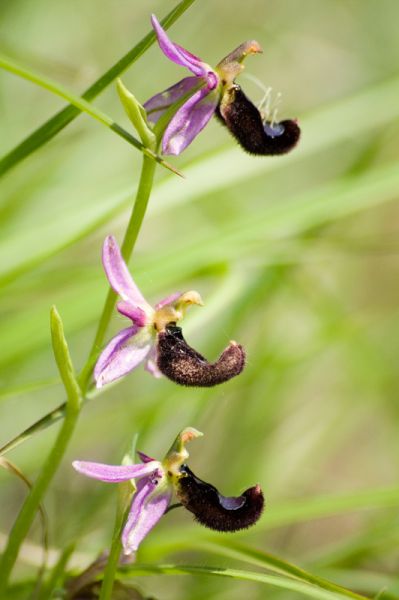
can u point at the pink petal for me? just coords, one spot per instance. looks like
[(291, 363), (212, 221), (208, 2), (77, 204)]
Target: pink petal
[(119, 276), (105, 356), (189, 120), (136, 314), (146, 510), (115, 473), (158, 104), (121, 355), (176, 53)]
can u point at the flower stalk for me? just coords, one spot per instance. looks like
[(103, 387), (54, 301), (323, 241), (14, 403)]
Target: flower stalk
[(125, 492)]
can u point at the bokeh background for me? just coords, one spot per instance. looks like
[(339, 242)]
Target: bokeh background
[(295, 257)]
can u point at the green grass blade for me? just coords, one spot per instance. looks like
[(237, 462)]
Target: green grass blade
[(337, 201), (56, 123), (81, 104), (273, 580), (256, 557), (348, 117)]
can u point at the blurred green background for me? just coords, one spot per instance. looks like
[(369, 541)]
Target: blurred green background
[(295, 257)]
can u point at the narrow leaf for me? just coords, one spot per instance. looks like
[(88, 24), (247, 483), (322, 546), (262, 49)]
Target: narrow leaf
[(273, 580), (55, 124), (81, 104)]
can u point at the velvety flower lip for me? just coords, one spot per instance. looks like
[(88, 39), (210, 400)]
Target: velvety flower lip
[(185, 366), (156, 482), (211, 509), (253, 131), (136, 343)]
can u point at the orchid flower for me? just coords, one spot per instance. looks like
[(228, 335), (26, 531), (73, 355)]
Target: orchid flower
[(156, 482), (195, 99), (136, 343), (152, 335)]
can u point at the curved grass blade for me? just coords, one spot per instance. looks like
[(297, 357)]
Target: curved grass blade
[(82, 105), (56, 123), (256, 557), (274, 580)]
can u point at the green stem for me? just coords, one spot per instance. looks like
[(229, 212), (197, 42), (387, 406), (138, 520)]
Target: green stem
[(125, 492), (129, 242), (32, 503), (112, 564)]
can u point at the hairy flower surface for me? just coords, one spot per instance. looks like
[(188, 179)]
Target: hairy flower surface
[(153, 336), (214, 91), (156, 482), (184, 365)]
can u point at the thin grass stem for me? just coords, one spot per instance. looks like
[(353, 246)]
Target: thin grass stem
[(55, 124), (82, 105)]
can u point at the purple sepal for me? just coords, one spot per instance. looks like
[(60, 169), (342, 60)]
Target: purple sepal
[(119, 276), (189, 120), (115, 473), (176, 53), (146, 510), (136, 314), (159, 104), (120, 356)]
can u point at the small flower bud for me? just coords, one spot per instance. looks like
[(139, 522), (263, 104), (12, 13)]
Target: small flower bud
[(137, 115), (215, 511), (245, 123), (184, 365)]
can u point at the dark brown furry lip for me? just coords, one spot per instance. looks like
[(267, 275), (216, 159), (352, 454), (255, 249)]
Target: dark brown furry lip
[(245, 123), (184, 365), (215, 511)]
